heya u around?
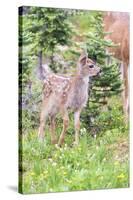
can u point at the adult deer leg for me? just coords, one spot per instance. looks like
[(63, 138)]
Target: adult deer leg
[(77, 126), (65, 125), (52, 126), (125, 92)]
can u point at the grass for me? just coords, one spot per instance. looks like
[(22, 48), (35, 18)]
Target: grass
[(100, 163)]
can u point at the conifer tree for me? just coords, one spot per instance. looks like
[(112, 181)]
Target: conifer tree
[(108, 83), (40, 31), (47, 27)]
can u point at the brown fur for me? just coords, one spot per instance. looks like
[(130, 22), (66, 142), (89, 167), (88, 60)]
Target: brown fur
[(63, 93), (118, 24)]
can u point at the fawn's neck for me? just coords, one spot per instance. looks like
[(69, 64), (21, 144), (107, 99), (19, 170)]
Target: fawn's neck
[(81, 85), (82, 79), (79, 92), (86, 79)]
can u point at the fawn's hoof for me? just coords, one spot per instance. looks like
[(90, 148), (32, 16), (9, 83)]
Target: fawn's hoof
[(57, 146), (75, 143), (60, 142)]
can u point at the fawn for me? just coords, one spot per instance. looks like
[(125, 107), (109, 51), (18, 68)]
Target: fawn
[(61, 93)]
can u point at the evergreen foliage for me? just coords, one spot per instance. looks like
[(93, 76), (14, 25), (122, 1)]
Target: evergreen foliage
[(108, 83), (42, 30)]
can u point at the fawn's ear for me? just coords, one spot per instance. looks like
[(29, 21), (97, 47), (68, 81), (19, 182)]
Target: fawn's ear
[(82, 60)]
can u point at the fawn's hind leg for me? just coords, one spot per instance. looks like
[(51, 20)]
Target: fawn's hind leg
[(77, 126), (52, 127), (65, 125)]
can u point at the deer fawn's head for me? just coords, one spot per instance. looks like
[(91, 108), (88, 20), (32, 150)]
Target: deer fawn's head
[(87, 67)]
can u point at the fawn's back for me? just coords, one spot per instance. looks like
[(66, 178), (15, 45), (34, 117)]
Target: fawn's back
[(69, 92)]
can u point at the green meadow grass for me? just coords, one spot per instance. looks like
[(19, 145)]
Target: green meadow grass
[(100, 163)]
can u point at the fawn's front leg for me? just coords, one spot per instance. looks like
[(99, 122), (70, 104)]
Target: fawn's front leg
[(43, 116), (41, 132), (65, 125), (52, 127), (77, 126)]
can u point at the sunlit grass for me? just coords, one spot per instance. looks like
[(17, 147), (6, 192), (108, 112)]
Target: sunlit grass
[(94, 164)]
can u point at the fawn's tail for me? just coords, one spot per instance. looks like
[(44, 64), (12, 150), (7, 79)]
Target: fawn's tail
[(44, 71)]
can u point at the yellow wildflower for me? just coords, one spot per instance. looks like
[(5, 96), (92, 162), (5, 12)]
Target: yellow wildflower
[(32, 173), (69, 181), (121, 176), (64, 173), (116, 163)]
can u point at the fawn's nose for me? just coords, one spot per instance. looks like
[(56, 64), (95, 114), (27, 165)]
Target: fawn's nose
[(100, 71)]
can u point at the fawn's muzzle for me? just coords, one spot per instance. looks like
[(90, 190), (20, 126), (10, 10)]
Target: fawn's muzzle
[(99, 73)]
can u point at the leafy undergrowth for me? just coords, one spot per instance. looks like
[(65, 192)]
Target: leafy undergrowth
[(99, 163)]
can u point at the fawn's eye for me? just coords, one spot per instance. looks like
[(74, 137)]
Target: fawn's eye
[(91, 66)]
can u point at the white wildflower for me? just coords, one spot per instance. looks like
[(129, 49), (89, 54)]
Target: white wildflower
[(50, 159), (54, 164), (83, 131)]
